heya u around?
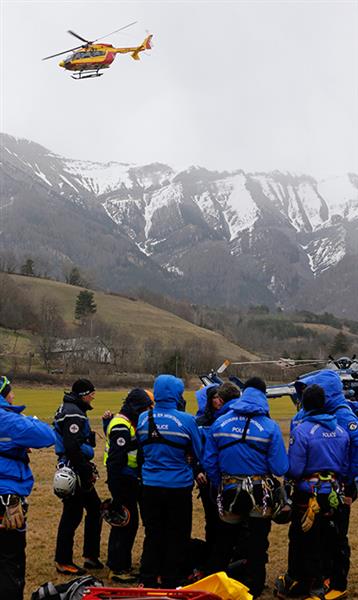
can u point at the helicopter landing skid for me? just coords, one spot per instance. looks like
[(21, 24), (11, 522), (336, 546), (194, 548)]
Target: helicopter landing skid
[(87, 75)]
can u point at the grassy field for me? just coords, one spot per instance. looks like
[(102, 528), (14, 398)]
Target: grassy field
[(134, 317), (45, 508)]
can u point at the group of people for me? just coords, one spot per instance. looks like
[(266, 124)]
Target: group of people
[(154, 454)]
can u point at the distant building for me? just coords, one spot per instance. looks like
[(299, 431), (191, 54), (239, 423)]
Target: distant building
[(91, 349)]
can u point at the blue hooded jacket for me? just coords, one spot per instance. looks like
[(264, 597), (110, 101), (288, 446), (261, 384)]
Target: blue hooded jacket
[(202, 399), (17, 434), (335, 404), (318, 444), (263, 451), (164, 465)]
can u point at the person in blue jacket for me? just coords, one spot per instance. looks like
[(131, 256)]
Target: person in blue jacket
[(319, 463), (244, 449), (219, 400), (75, 442), (169, 440), (17, 434), (336, 404)]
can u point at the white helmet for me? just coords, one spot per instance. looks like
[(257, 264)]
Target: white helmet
[(64, 482)]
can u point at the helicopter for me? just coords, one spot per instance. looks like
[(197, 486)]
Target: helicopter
[(90, 58), (346, 367)]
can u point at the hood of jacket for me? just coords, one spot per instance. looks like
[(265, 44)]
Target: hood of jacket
[(5, 404), (168, 390), (333, 387), (136, 402), (251, 402), (327, 421), (72, 398)]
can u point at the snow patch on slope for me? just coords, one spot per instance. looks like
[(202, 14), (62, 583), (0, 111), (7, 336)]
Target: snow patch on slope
[(239, 209), (341, 196), (99, 178), (171, 194)]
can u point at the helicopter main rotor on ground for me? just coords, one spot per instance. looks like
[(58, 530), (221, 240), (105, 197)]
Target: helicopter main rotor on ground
[(346, 367)]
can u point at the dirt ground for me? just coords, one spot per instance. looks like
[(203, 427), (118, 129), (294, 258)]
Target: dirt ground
[(45, 510)]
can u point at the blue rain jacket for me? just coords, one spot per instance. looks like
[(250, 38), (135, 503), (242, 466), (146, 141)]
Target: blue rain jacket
[(17, 434), (262, 453), (335, 404), (167, 466), (202, 398), (318, 444)]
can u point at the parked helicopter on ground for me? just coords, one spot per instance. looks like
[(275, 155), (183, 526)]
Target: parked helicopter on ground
[(90, 58), (346, 367)]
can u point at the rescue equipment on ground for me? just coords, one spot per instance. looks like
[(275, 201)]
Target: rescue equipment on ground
[(72, 590), (151, 593), (223, 586)]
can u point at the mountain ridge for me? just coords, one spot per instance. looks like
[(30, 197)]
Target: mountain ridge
[(214, 237)]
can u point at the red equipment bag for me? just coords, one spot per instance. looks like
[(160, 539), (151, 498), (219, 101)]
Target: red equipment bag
[(111, 593)]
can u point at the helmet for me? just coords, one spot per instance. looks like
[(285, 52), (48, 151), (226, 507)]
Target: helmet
[(64, 482), (114, 518)]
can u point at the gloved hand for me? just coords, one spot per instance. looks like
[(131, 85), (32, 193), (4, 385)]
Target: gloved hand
[(310, 514), (14, 517)]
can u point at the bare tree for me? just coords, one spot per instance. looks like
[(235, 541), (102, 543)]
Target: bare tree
[(51, 326)]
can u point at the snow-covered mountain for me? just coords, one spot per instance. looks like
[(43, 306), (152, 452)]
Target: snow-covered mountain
[(230, 237)]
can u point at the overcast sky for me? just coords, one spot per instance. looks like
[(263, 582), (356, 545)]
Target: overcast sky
[(252, 85)]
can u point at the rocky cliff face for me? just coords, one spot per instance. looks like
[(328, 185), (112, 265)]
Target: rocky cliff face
[(222, 238)]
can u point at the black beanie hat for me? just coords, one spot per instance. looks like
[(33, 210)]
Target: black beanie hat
[(137, 400), (313, 398), (82, 387), (257, 383)]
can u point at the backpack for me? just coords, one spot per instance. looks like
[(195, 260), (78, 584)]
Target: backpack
[(73, 590)]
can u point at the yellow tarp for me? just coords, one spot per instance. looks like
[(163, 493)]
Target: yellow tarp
[(223, 586)]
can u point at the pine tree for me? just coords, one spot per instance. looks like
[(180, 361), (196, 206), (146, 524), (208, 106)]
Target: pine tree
[(28, 268), (74, 277), (340, 345), (85, 305)]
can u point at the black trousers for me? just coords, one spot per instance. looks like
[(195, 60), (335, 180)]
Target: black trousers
[(250, 540), (336, 550), (211, 514), (121, 539), (323, 551), (167, 517), (12, 564), (73, 508)]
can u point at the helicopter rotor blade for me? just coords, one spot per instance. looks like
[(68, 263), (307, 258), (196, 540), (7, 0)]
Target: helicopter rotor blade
[(115, 31), (64, 52), (78, 36)]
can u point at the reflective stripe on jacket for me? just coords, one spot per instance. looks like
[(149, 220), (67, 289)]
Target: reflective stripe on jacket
[(121, 420)]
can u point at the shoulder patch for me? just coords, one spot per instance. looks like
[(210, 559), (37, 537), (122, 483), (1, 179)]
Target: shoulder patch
[(121, 441), (74, 428), (353, 426)]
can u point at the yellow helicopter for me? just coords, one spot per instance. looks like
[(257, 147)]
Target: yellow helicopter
[(90, 58)]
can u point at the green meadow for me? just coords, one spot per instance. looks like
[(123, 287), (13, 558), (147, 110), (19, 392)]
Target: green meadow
[(43, 402)]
